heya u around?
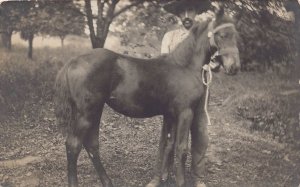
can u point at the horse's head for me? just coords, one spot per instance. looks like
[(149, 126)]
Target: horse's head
[(223, 38)]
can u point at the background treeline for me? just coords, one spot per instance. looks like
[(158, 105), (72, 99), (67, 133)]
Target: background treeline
[(54, 18), (268, 36)]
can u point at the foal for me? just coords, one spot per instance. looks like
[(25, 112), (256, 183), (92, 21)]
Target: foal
[(144, 88)]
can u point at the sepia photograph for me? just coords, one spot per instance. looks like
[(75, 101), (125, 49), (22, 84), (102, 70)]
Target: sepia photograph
[(150, 93)]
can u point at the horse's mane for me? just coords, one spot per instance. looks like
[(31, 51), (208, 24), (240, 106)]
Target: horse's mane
[(182, 54)]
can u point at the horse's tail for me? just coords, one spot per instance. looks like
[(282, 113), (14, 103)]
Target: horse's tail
[(62, 101)]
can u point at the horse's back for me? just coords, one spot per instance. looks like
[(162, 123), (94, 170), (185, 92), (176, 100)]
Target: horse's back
[(89, 76), (94, 56)]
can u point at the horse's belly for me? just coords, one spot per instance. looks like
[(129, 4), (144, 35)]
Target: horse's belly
[(132, 108)]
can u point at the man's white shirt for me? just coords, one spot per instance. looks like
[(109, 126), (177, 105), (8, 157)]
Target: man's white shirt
[(172, 38)]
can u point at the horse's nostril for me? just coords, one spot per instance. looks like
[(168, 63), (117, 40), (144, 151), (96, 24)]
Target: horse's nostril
[(234, 71), (231, 70)]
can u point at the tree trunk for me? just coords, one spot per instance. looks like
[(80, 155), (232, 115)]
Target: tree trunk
[(88, 9), (30, 45), (99, 42), (62, 39), (103, 23), (104, 19), (6, 40)]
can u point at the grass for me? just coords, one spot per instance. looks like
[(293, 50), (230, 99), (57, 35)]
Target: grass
[(270, 101), (24, 82)]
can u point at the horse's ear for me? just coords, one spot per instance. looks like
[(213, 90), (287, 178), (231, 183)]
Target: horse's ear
[(220, 10)]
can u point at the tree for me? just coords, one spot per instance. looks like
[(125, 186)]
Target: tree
[(63, 18), (105, 14), (294, 6), (30, 23), (10, 15), (266, 36), (19, 16), (56, 18)]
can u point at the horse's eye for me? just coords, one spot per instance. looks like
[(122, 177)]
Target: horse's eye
[(223, 35)]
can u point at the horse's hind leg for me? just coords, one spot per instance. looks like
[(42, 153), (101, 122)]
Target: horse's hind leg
[(91, 144), (73, 147), (167, 155), (85, 131)]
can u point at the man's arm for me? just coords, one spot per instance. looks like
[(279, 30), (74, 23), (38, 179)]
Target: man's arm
[(165, 44)]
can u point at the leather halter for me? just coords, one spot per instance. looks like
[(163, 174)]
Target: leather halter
[(211, 35)]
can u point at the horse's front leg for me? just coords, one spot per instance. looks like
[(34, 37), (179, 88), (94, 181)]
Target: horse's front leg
[(182, 136), (165, 156), (199, 137)]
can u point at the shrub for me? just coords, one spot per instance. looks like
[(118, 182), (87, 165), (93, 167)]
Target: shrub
[(276, 114), (26, 84)]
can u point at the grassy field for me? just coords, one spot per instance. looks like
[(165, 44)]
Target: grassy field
[(254, 138)]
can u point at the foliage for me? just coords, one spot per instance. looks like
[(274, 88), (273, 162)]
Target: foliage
[(11, 13), (61, 18), (29, 24), (267, 37), (143, 26)]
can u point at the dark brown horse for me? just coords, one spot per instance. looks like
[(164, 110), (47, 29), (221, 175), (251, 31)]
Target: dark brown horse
[(169, 85)]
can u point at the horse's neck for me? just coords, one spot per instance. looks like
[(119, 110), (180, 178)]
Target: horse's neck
[(192, 52), (183, 53), (201, 53)]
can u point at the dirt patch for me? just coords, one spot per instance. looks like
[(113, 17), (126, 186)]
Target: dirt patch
[(19, 162), (235, 157)]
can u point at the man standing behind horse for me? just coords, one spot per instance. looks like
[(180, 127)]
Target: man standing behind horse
[(186, 10)]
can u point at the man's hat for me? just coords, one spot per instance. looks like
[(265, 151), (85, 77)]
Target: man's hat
[(179, 6)]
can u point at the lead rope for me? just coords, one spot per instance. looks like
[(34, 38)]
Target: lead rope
[(207, 68)]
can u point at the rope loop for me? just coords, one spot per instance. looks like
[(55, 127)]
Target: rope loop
[(207, 68)]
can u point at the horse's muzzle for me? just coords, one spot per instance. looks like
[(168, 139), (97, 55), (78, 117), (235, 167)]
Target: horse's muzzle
[(231, 63)]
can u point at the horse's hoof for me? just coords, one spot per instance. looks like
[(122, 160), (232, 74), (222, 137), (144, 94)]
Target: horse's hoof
[(153, 183), (200, 184)]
